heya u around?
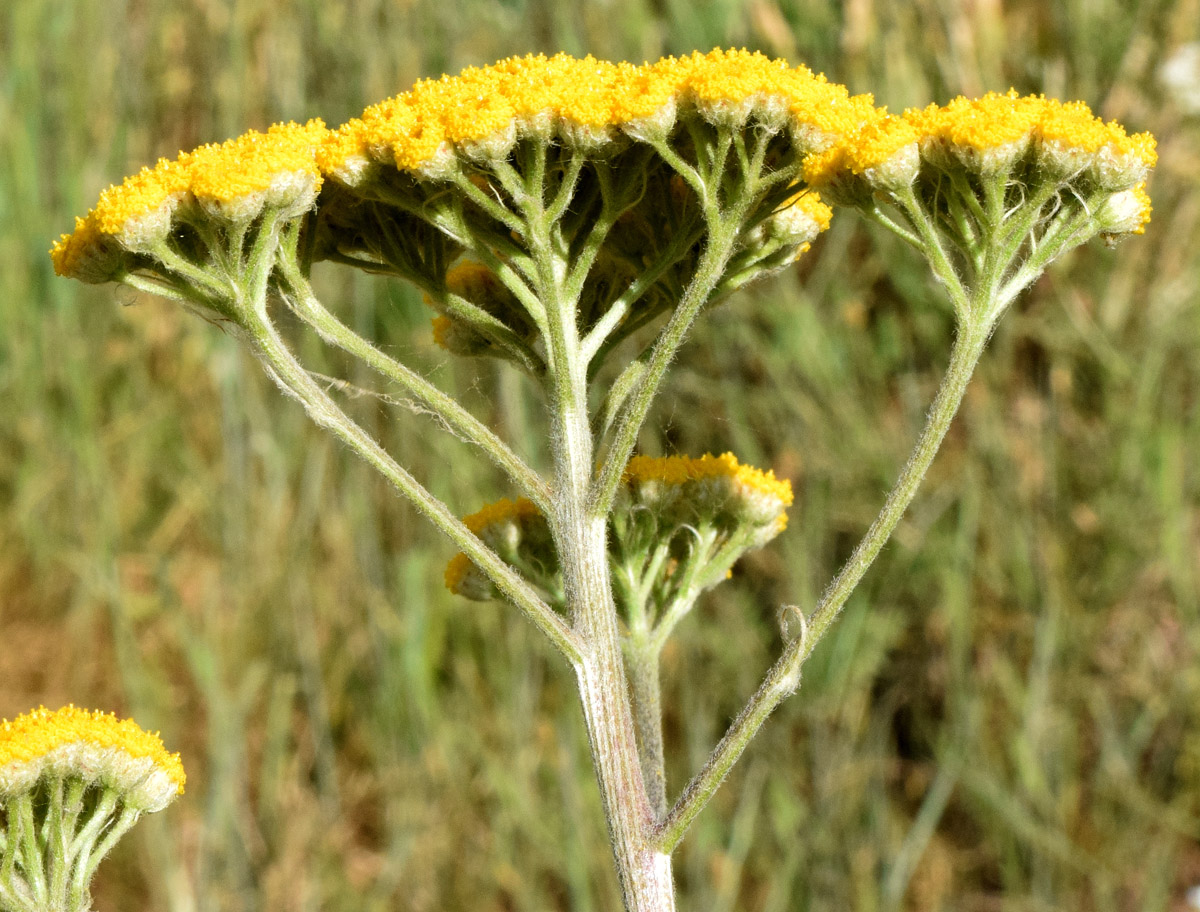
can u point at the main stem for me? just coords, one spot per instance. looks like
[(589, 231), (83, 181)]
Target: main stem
[(581, 533), (644, 872)]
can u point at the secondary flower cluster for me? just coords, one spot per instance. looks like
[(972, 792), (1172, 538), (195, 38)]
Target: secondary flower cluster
[(72, 782), (992, 189), (677, 528), (989, 135)]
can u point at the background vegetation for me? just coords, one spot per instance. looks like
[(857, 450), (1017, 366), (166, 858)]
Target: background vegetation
[(1006, 718)]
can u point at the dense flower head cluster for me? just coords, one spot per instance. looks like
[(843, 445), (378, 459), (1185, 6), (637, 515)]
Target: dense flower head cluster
[(987, 135), (477, 285), (710, 489), (664, 498), (92, 746), (233, 180), (483, 111), (517, 531)]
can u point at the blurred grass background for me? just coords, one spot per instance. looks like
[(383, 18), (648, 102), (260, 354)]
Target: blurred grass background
[(1006, 718)]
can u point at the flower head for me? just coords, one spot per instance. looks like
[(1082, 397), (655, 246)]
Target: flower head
[(1023, 178), (483, 111), (711, 489), (72, 782), (95, 747), (239, 177), (235, 181)]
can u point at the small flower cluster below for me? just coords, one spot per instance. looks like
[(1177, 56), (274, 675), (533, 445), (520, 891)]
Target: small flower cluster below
[(678, 526)]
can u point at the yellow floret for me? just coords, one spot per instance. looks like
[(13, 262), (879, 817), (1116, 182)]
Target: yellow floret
[(277, 167), (142, 193), (503, 510), (990, 122), (682, 469), (500, 511), (1144, 198), (1074, 126), (492, 105), (811, 205), (259, 163), (35, 735)]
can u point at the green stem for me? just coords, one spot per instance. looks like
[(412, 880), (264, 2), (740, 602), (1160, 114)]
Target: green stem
[(28, 844), (294, 380), (709, 271), (580, 534), (642, 656), (57, 832), (306, 306), (784, 676), (128, 817)]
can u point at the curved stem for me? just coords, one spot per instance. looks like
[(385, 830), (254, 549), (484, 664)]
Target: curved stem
[(306, 305), (784, 676), (294, 380)]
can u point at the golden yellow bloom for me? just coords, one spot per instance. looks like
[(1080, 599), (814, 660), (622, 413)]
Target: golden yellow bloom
[(94, 746), (990, 133), (135, 214), (800, 219), (483, 110), (234, 179), (677, 470), (1124, 213), (277, 168)]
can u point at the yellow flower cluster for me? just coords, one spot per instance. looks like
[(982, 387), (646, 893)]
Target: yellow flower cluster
[(233, 180), (483, 111), (987, 135), (480, 112), (91, 745), (678, 470)]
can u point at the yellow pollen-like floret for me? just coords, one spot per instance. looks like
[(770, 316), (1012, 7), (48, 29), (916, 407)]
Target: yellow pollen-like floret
[(483, 105), (502, 510), (993, 124), (990, 122), (119, 206), (1073, 125), (1144, 198), (281, 162), (456, 571), (679, 470), (35, 735), (253, 162), (810, 203)]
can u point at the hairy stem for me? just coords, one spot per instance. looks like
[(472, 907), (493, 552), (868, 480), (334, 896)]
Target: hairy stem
[(291, 376), (784, 676), (580, 534), (456, 418)]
